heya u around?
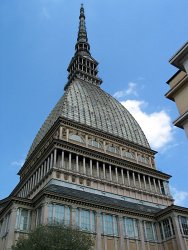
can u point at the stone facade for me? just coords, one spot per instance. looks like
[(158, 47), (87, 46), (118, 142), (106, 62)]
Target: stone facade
[(179, 87), (90, 165)]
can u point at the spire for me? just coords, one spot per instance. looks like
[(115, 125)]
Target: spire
[(83, 66), (82, 33), (82, 40)]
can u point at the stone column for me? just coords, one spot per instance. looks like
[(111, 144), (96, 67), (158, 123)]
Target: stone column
[(158, 232), (104, 146), (116, 174), (70, 161), (150, 162), (41, 171), (67, 134), (62, 158), (84, 165), (51, 160), (155, 186), (45, 212), (127, 239), (48, 164), (149, 183), (122, 176), (86, 138), (104, 172), (139, 180), (144, 178), (142, 239), (136, 157), (33, 219), (33, 181), (159, 183), (77, 166), (36, 177), (97, 169), (12, 222), (73, 215), (128, 178), (135, 228), (91, 167), (61, 133), (98, 231), (121, 235), (134, 181), (179, 239), (110, 172), (55, 158), (29, 185)]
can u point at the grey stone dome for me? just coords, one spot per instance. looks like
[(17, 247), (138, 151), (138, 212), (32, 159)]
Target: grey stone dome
[(88, 104)]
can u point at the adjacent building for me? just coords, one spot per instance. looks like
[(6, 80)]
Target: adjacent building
[(179, 87), (91, 166)]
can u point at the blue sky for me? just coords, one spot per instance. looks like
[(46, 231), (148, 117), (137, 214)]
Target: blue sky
[(132, 40)]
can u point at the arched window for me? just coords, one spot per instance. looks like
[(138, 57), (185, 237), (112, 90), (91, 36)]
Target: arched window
[(76, 137), (143, 159), (113, 149), (129, 154), (95, 143)]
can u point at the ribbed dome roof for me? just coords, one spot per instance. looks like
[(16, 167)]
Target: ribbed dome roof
[(88, 104)]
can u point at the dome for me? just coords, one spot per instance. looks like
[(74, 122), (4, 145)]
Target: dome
[(88, 104)]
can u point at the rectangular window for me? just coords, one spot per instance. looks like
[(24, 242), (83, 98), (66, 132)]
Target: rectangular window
[(85, 219), (167, 228), (109, 224), (23, 219), (58, 214), (161, 231), (150, 231), (183, 221), (130, 227), (39, 216), (1, 227), (4, 225)]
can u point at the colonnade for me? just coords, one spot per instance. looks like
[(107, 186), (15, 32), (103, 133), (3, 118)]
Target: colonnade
[(93, 168), (86, 166)]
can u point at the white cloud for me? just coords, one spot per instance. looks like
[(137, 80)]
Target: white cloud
[(131, 90), (156, 126), (180, 197), (18, 163)]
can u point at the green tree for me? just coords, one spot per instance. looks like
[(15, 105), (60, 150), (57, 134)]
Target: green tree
[(56, 237)]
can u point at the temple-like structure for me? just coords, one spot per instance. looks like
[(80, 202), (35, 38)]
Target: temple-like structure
[(90, 165)]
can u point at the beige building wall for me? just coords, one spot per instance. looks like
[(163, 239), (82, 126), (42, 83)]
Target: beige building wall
[(179, 86)]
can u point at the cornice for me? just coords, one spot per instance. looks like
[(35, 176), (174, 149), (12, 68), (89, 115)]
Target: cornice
[(170, 209), (172, 92), (181, 120), (64, 121), (11, 200)]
